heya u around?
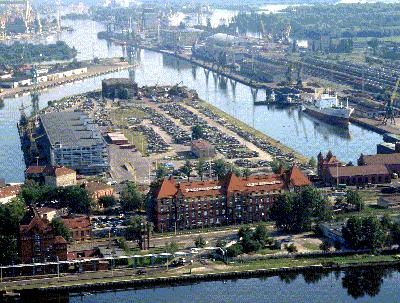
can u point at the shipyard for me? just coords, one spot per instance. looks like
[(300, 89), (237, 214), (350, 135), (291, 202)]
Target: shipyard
[(216, 151)]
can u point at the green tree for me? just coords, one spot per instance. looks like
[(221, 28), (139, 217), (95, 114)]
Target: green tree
[(295, 212), (312, 162), (136, 230), (221, 168), (131, 198), (234, 250), (261, 235), (160, 172), (60, 229), (354, 198), (107, 201), (197, 132), (364, 233), (187, 169), (326, 245), (171, 247), (201, 168), (199, 242), (246, 173)]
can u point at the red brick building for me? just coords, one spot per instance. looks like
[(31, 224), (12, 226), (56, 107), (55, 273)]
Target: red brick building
[(234, 200), (358, 175), (391, 161), (97, 190), (79, 227), (37, 242)]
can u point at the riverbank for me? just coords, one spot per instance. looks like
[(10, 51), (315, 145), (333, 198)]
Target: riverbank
[(92, 71), (216, 271), (376, 125)]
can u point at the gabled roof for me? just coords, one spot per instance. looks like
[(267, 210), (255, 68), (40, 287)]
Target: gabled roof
[(76, 223), (59, 240), (352, 171), (49, 170), (167, 188), (9, 191), (382, 159), (41, 224), (297, 178)]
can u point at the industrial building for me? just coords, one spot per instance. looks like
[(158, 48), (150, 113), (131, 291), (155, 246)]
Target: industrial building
[(232, 200), (181, 37), (71, 139), (121, 88)]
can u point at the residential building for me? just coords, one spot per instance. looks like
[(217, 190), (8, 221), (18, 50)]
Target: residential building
[(9, 192), (79, 227), (37, 242), (73, 140), (56, 176), (49, 213), (98, 189), (233, 200), (202, 149)]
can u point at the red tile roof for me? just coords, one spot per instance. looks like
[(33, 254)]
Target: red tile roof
[(42, 224), (59, 240), (9, 191), (93, 187), (77, 223), (297, 178), (232, 183), (49, 170), (167, 189)]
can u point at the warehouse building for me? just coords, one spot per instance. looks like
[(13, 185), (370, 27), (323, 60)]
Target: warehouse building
[(71, 139)]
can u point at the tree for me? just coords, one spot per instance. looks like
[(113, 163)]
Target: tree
[(312, 162), (11, 215), (187, 169), (107, 201), (138, 230), (220, 168), (234, 250), (354, 198), (364, 233), (197, 132), (201, 168), (171, 247), (76, 198), (246, 173), (295, 212), (261, 234), (160, 172), (60, 229), (291, 248), (200, 242), (131, 198)]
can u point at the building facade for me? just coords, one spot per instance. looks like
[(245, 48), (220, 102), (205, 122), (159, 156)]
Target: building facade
[(233, 200), (37, 242), (79, 227), (97, 190), (56, 176), (202, 149), (73, 140)]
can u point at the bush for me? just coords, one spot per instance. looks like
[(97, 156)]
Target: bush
[(199, 242), (234, 250), (291, 248)]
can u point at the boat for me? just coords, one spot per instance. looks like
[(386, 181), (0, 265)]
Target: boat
[(328, 108)]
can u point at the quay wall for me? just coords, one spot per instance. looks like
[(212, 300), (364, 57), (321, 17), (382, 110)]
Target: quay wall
[(191, 278)]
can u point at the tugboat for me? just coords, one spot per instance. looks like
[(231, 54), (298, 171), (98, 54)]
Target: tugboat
[(328, 108)]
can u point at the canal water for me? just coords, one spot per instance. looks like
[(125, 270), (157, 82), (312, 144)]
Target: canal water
[(372, 285), (290, 126)]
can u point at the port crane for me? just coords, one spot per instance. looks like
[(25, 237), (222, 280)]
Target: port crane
[(389, 106)]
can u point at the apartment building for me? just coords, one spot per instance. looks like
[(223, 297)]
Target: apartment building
[(233, 200)]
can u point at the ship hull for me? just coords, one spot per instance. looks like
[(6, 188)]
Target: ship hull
[(334, 119)]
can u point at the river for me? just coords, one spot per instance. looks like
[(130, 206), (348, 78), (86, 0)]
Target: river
[(372, 285), (290, 126)]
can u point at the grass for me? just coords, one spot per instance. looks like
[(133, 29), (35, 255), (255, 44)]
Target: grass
[(253, 131), (311, 246)]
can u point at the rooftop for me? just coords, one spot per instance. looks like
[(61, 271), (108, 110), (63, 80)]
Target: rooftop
[(382, 159), (71, 129), (77, 222), (55, 171), (9, 191), (350, 171)]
